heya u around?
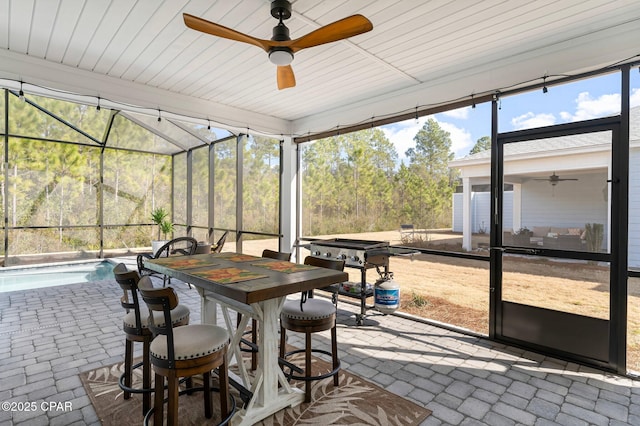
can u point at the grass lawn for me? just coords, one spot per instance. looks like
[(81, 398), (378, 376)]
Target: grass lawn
[(456, 291)]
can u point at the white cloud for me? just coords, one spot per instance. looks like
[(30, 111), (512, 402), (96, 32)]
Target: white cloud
[(635, 97), (531, 120), (402, 134), (460, 113), (566, 116), (588, 107), (461, 141)]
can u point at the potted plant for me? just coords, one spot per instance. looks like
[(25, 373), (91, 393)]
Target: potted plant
[(521, 236), (159, 217), (594, 236), (167, 228)]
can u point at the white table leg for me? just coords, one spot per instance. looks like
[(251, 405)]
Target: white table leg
[(234, 344), (208, 309), (267, 397)]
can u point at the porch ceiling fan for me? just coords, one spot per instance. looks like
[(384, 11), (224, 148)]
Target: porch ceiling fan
[(554, 179), (280, 47)]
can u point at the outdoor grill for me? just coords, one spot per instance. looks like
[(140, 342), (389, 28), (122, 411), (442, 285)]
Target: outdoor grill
[(359, 254)]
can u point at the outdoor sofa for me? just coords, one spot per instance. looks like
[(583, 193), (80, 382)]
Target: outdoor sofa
[(552, 237)]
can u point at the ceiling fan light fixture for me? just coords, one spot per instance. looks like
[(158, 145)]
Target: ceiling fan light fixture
[(280, 57), (281, 48)]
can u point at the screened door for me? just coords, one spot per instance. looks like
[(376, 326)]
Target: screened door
[(554, 265)]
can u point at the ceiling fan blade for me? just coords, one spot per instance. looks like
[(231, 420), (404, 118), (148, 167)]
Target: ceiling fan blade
[(286, 78), (344, 28), (217, 30), (554, 178)]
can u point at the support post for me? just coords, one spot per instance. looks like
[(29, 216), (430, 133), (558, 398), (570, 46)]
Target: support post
[(288, 197), (466, 214)]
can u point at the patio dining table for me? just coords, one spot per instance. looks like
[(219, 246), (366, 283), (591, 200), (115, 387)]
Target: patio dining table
[(256, 287)]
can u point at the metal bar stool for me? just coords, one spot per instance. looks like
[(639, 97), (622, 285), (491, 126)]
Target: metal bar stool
[(183, 352), (136, 327), (309, 316), (180, 246)]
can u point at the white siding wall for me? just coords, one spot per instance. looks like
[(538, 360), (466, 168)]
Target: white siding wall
[(481, 211), (457, 212), (634, 208), (507, 210), (569, 204)]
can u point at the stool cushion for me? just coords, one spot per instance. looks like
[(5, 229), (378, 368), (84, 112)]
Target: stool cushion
[(178, 314), (191, 341), (314, 309)]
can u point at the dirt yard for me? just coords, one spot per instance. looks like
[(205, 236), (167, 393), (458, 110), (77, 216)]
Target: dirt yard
[(456, 291)]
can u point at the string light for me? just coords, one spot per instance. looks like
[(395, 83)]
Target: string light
[(496, 98), (390, 115), (208, 124), (473, 102), (544, 84), (98, 106), (417, 120)]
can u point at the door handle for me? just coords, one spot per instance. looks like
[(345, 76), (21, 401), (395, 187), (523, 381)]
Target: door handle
[(522, 250), (515, 250)]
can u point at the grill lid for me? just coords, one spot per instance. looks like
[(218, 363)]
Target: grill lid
[(351, 244)]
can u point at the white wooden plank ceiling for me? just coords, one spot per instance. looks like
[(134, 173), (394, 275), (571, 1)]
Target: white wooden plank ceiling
[(419, 53)]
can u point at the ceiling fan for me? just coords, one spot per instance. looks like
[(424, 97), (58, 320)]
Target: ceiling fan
[(554, 179), (281, 48)]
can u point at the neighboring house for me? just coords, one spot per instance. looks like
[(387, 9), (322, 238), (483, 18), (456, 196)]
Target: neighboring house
[(550, 208), (480, 210)]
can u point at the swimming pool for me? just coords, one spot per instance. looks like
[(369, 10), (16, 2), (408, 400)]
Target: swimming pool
[(53, 275)]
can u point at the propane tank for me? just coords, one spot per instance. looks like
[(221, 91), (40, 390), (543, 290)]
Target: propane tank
[(386, 293)]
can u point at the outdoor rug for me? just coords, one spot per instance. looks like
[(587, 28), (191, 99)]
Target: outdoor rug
[(355, 401)]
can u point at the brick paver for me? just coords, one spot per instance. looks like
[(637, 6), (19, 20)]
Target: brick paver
[(50, 335)]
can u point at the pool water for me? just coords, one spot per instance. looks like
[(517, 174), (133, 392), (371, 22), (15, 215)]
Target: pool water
[(54, 275)]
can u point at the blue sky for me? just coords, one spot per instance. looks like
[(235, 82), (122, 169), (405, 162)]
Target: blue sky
[(579, 100)]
